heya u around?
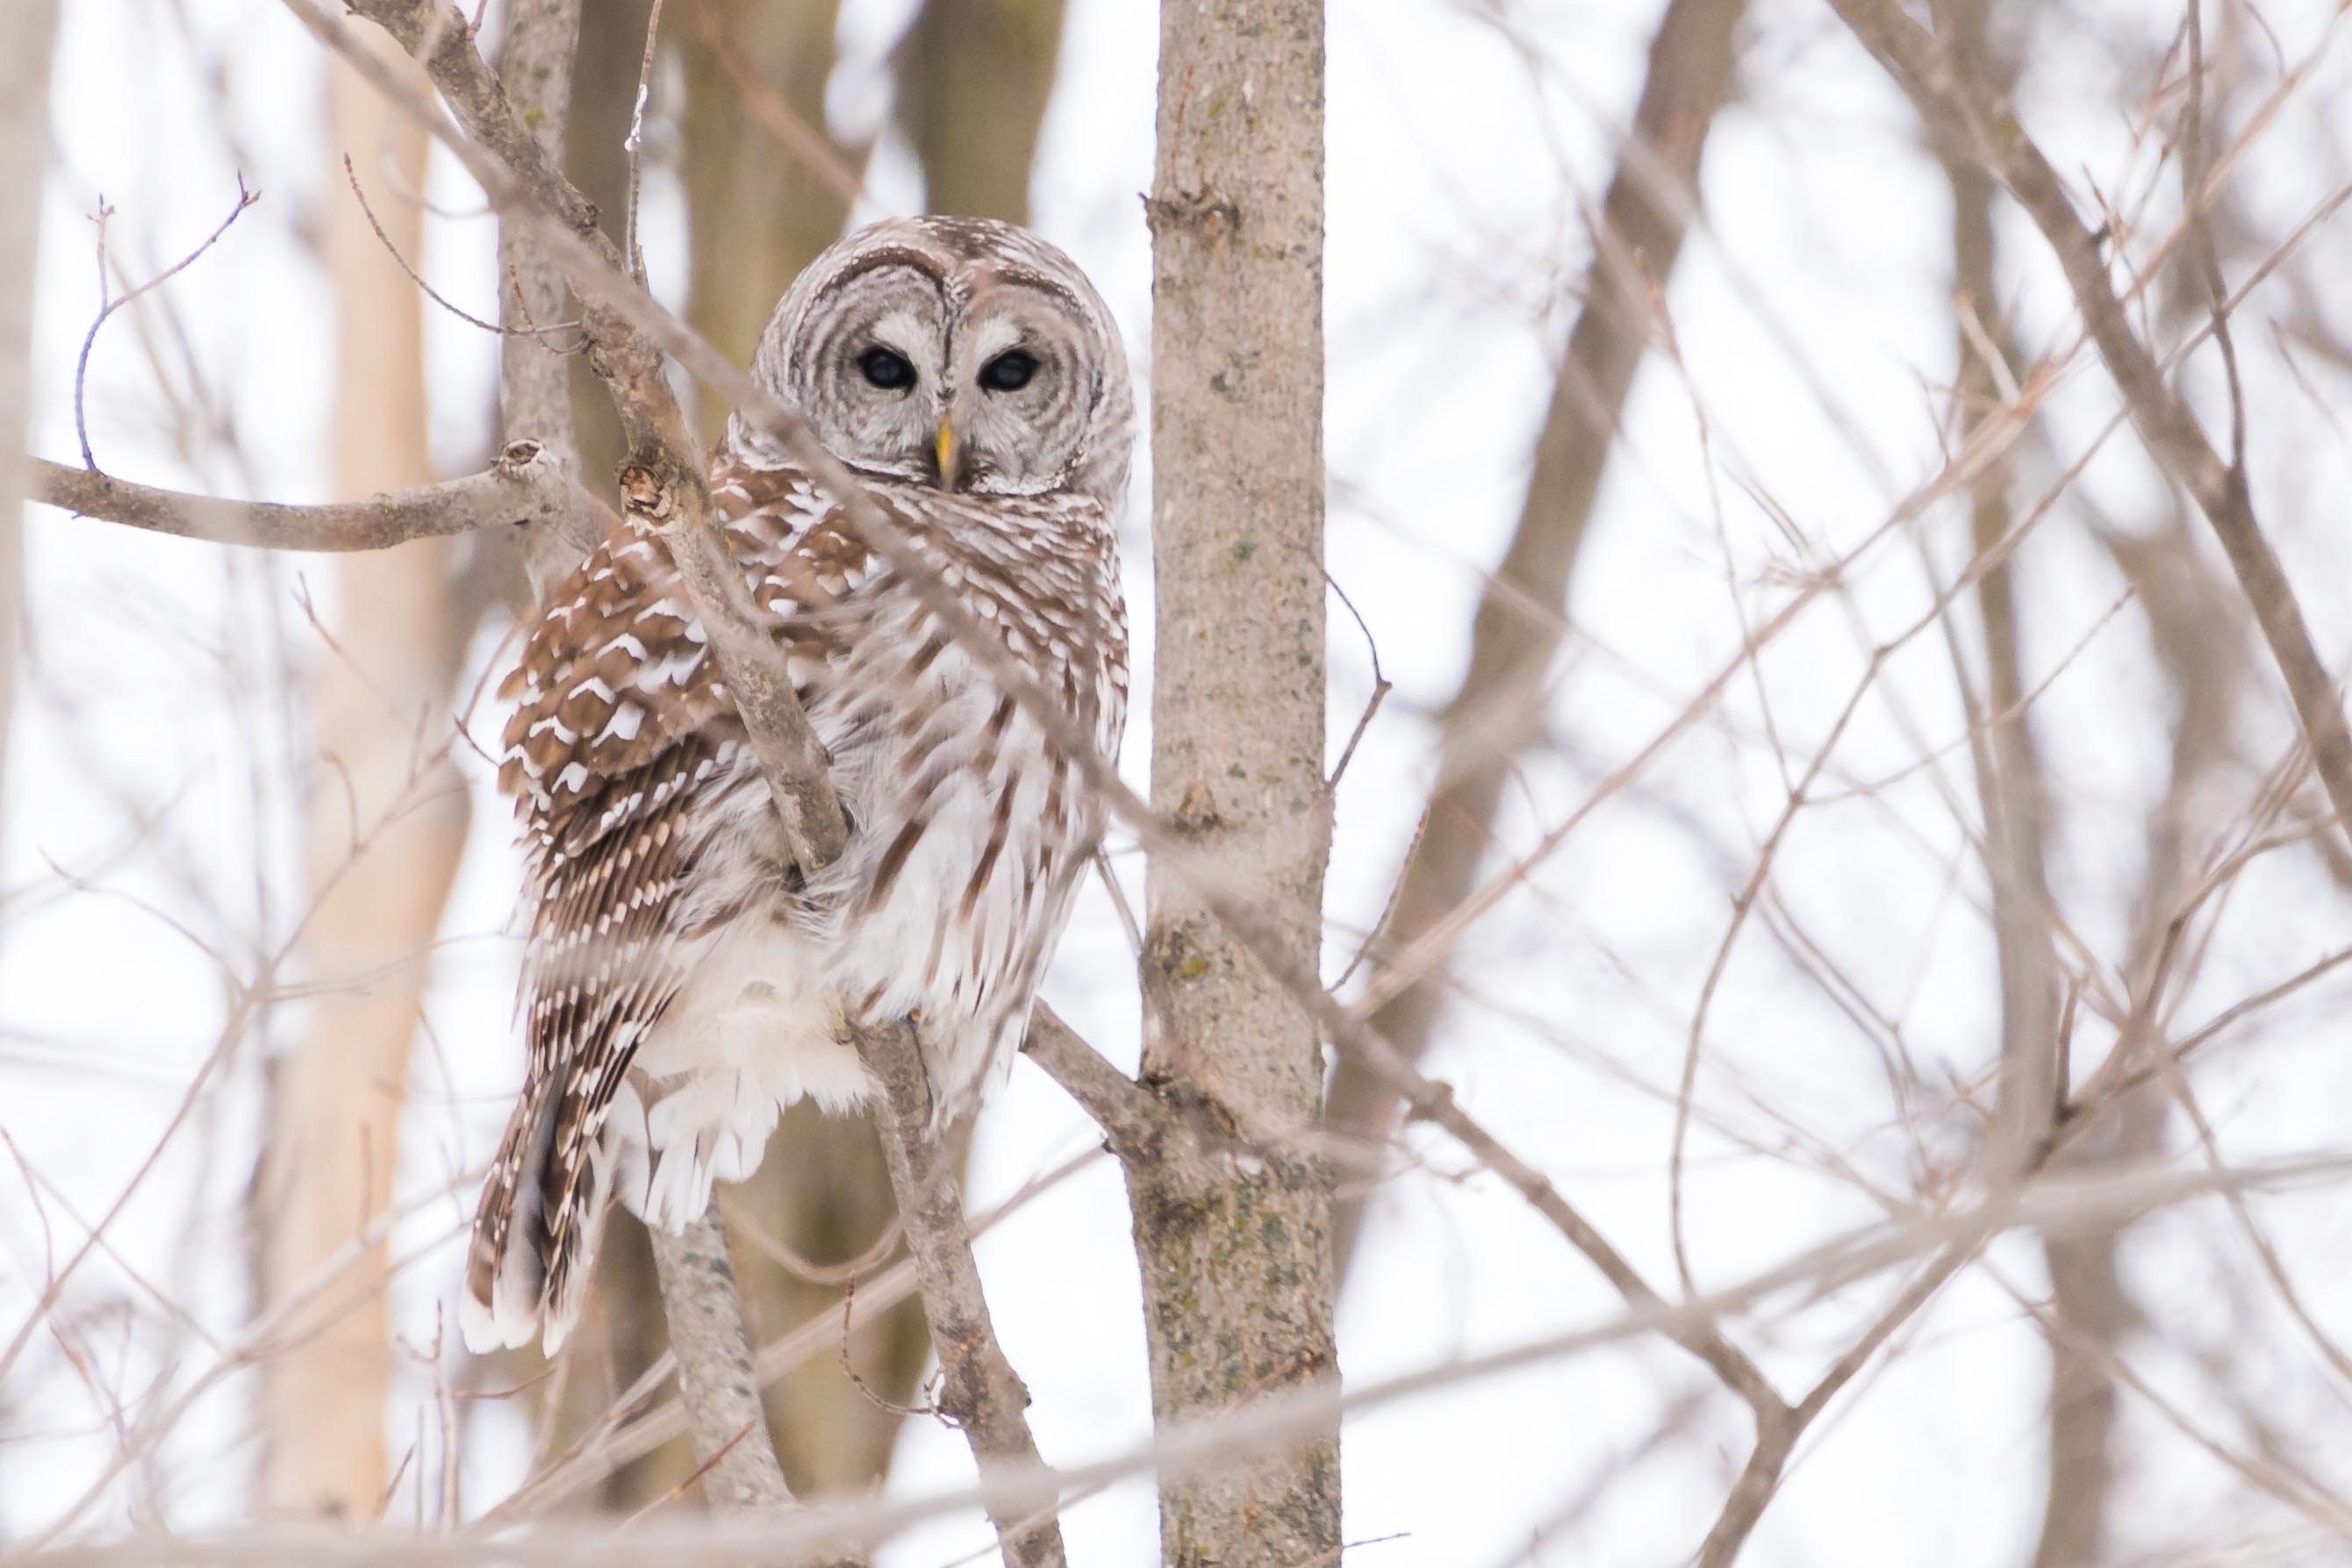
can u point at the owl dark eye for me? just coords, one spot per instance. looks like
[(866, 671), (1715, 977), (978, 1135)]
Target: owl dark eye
[(1009, 371), (886, 369)]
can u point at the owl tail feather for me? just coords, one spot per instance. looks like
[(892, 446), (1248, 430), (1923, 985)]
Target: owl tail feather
[(524, 1277)]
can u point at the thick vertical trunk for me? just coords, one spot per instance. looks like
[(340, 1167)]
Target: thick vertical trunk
[(1236, 1251), (337, 1095)]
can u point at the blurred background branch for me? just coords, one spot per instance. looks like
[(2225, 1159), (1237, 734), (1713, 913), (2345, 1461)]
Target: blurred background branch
[(1521, 620), (24, 163)]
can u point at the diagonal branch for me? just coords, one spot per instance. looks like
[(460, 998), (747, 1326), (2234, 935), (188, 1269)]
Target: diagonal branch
[(981, 1393), (662, 486), (1131, 1119), (1958, 105), (1637, 236)]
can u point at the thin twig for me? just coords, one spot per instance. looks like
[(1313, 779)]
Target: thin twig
[(2061, 1207), (1958, 105), (432, 293), (2199, 215), (773, 1249), (636, 146), (857, 1379), (1380, 683), (810, 145), (108, 303)]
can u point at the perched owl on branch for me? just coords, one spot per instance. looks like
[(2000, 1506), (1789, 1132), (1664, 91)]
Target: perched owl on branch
[(682, 983)]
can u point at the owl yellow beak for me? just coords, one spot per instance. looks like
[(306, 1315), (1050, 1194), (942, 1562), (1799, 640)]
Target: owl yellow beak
[(947, 455)]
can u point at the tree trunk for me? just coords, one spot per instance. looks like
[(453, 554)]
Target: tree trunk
[(974, 77), (1236, 1250), (379, 698)]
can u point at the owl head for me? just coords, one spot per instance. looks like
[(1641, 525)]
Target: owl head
[(960, 352)]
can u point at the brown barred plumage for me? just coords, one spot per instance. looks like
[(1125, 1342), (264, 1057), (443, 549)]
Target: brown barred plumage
[(681, 982)]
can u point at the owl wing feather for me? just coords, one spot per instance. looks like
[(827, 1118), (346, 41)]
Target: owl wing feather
[(620, 714), (622, 719)]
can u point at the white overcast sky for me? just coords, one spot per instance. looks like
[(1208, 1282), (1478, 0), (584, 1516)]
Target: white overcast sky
[(1816, 326)]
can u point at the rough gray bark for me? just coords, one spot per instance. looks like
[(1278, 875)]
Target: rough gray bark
[(534, 392), (980, 1391), (24, 163), (1236, 1257), (715, 1381), (1499, 709)]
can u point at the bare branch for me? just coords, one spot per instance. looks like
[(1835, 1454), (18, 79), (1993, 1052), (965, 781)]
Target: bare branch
[(714, 1369), (636, 145), (1131, 1120), (1844, 1260), (1518, 629), (1776, 1431), (534, 382), (350, 176), (524, 488), (982, 1394), (1960, 106), (109, 302)]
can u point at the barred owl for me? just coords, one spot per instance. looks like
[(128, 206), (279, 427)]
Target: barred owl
[(683, 982)]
